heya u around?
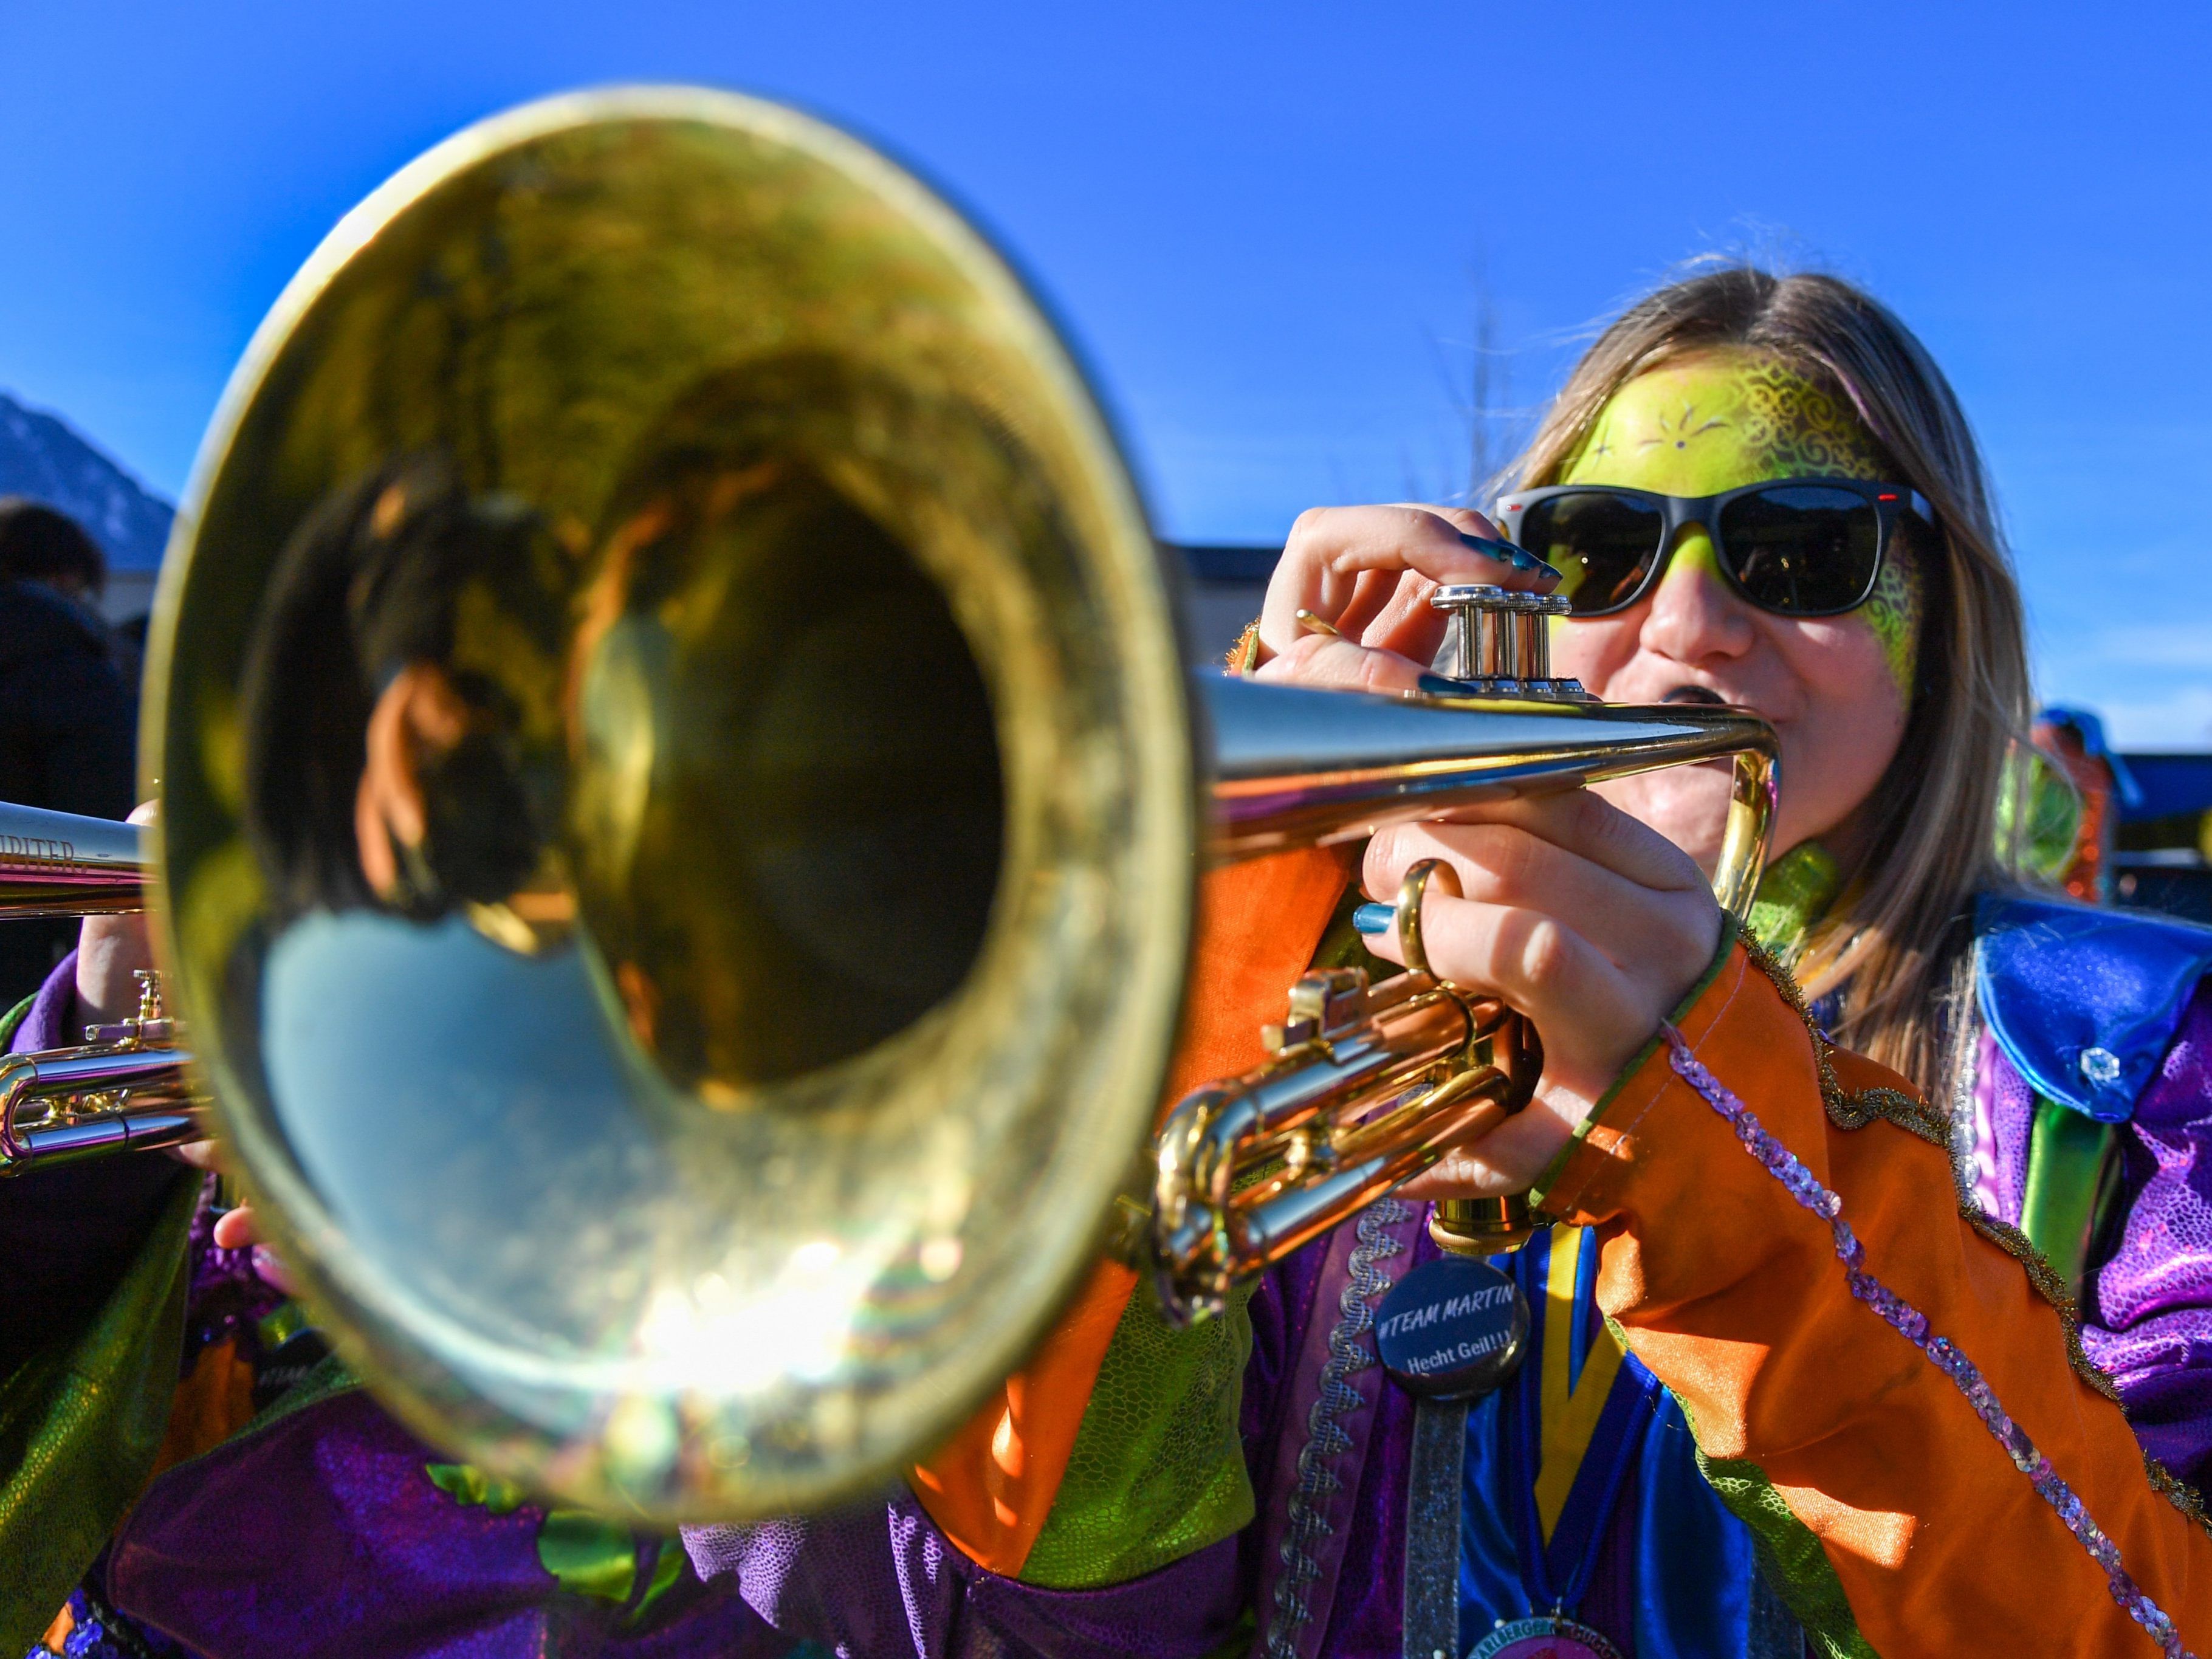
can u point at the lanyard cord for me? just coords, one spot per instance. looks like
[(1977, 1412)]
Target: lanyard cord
[(1616, 1443)]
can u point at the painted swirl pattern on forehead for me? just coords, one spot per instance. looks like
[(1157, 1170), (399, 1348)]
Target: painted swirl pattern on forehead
[(1800, 429)]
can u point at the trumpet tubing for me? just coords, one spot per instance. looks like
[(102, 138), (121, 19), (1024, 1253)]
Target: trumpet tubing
[(128, 1089), (81, 1104)]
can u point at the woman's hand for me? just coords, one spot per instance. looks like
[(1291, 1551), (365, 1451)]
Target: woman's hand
[(1591, 924), (1368, 572), (235, 1228), (1588, 922), (110, 952)]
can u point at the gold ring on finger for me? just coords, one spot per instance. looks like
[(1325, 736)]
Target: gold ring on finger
[(1411, 890)]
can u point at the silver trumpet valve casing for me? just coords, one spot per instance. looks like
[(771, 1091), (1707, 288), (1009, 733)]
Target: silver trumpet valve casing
[(1499, 643)]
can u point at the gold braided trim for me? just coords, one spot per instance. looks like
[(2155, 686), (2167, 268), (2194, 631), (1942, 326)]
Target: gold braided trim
[(2048, 1285), (1848, 1111), (1917, 1117), (2176, 1492), (1244, 656), (1890, 1105)]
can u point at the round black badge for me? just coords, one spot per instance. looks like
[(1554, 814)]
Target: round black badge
[(1452, 1327)]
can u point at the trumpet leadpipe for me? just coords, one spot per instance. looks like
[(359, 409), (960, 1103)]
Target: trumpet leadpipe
[(1300, 768), (58, 864)]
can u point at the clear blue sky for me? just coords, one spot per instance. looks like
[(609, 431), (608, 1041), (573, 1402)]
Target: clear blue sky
[(1267, 225)]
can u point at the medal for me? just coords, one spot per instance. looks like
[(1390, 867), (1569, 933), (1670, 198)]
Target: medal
[(1543, 1638)]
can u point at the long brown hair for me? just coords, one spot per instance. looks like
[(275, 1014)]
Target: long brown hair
[(1894, 942)]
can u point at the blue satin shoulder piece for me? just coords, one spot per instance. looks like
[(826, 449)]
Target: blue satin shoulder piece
[(2084, 1001)]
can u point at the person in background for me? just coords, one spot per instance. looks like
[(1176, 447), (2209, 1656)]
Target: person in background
[(68, 709), (2072, 742), (155, 1367)]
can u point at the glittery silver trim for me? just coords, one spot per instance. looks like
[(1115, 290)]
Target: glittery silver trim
[(1349, 1352)]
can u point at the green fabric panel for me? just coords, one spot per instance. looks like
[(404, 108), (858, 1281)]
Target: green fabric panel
[(2066, 1154), (667, 1567), (1157, 1471), (329, 1379), (81, 1421), (1794, 891), (1343, 946), (587, 1555), (464, 1483), (1789, 1554), (1792, 1558)]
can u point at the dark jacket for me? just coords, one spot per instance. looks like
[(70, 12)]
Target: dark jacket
[(67, 730)]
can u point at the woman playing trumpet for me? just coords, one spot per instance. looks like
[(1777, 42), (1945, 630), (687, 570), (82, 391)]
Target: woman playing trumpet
[(1723, 1439)]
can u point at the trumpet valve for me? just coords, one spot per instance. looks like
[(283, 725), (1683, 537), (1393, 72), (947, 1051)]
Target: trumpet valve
[(151, 1027), (1321, 1003), (1499, 643), (1482, 1226)]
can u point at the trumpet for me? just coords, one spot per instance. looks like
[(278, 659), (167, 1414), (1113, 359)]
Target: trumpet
[(750, 1028), (128, 1087)]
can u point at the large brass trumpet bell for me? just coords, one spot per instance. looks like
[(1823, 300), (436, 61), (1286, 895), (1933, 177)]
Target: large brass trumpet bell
[(681, 801)]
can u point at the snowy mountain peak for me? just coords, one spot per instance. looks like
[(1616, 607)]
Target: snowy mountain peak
[(41, 456)]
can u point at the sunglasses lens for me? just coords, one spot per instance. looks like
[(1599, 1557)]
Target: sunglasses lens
[(1603, 543), (1804, 550)]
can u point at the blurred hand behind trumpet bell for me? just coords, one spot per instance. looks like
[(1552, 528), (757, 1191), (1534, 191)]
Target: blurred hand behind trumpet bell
[(110, 952)]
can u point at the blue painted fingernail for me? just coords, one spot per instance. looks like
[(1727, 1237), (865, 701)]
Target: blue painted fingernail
[(1504, 552), (1374, 918)]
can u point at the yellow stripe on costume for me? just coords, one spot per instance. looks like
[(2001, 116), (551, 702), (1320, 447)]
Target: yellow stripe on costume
[(1570, 1411)]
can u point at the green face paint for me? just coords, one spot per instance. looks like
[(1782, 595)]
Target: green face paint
[(1893, 610), (1719, 421)]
